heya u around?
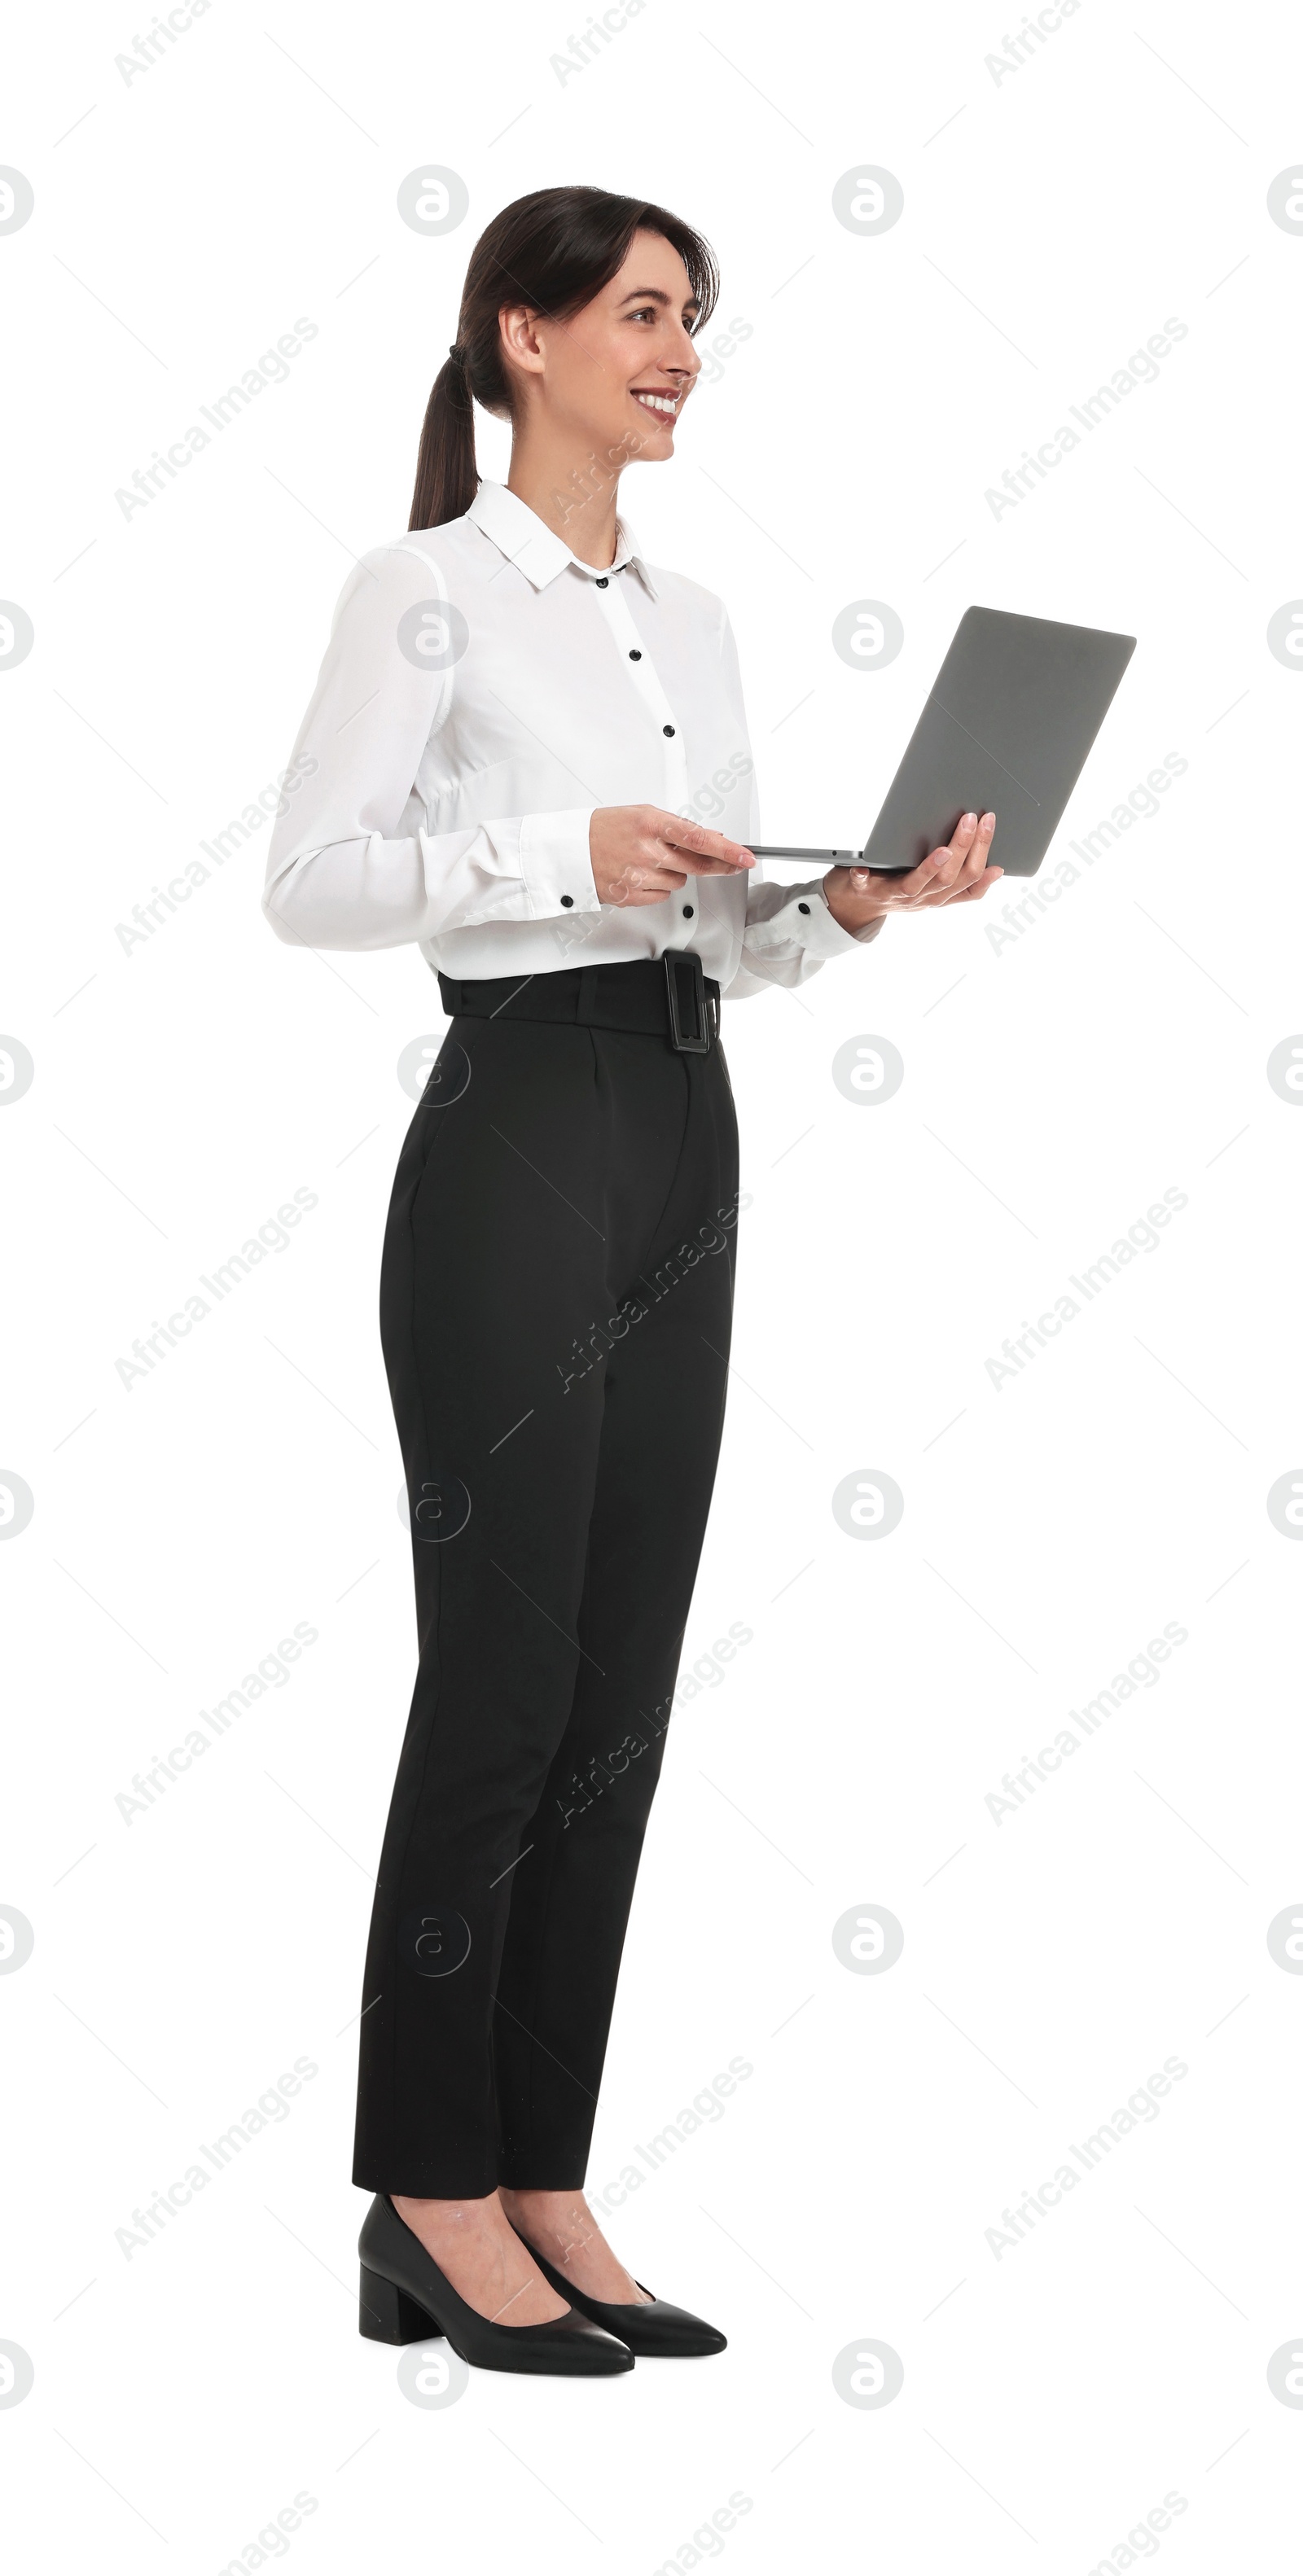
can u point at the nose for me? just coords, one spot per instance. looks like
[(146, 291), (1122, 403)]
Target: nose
[(687, 363)]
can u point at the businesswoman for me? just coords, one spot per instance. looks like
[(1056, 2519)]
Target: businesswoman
[(518, 725)]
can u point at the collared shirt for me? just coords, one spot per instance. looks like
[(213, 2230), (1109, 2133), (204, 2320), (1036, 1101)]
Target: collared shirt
[(482, 693)]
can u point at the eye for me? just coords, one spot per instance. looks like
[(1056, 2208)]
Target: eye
[(644, 313)]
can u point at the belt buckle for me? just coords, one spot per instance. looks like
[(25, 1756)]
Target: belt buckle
[(685, 985)]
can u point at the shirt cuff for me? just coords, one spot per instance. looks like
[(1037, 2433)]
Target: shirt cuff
[(856, 938), (805, 921), (555, 863)]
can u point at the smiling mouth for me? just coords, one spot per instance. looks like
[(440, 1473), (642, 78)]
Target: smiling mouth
[(661, 406)]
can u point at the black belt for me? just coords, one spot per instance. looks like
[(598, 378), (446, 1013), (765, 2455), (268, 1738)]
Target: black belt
[(668, 996)]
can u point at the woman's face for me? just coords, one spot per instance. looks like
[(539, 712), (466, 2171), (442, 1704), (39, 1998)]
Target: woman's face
[(611, 380)]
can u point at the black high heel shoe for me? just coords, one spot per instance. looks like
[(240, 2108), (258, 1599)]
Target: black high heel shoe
[(405, 2298), (655, 2331)]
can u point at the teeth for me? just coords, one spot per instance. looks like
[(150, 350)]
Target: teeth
[(659, 402)]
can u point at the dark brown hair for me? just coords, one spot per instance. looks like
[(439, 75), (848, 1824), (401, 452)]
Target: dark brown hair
[(553, 251)]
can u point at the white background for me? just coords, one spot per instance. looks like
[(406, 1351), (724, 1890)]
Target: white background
[(1054, 1088)]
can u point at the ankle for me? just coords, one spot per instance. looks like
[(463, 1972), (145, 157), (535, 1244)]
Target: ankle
[(558, 2221), (543, 2201), (451, 2217)]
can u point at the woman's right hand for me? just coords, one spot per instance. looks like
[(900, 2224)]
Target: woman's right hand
[(640, 854)]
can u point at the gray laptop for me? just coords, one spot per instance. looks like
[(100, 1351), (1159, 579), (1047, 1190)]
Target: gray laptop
[(1008, 723)]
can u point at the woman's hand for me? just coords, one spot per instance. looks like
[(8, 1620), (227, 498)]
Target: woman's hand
[(639, 854), (958, 874)]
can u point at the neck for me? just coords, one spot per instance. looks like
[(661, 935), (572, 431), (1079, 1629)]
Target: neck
[(571, 493)]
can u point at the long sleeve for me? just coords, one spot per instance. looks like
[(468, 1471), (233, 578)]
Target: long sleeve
[(342, 872), (789, 930)]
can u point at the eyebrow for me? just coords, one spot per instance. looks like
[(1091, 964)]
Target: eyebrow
[(655, 295)]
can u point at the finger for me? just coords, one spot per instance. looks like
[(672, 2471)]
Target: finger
[(915, 883), (974, 893), (714, 849), (931, 878), (654, 860), (701, 841), (648, 881), (946, 860), (695, 867), (969, 843), (953, 856), (978, 850), (975, 863)]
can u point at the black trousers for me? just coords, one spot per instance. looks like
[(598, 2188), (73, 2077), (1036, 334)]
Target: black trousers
[(556, 1295)]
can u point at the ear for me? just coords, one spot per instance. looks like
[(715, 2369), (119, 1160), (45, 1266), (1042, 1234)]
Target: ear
[(521, 345)]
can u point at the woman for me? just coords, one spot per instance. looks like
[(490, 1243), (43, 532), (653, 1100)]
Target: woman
[(516, 719)]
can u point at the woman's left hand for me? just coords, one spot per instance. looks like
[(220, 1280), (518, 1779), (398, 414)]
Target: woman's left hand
[(958, 873)]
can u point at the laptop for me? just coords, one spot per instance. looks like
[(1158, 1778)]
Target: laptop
[(1008, 724)]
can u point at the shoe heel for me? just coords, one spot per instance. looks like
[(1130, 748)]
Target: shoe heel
[(387, 2315)]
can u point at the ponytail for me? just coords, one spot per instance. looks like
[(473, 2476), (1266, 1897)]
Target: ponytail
[(552, 252), (446, 479)]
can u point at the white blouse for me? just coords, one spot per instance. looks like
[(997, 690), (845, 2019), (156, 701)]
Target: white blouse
[(481, 694)]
